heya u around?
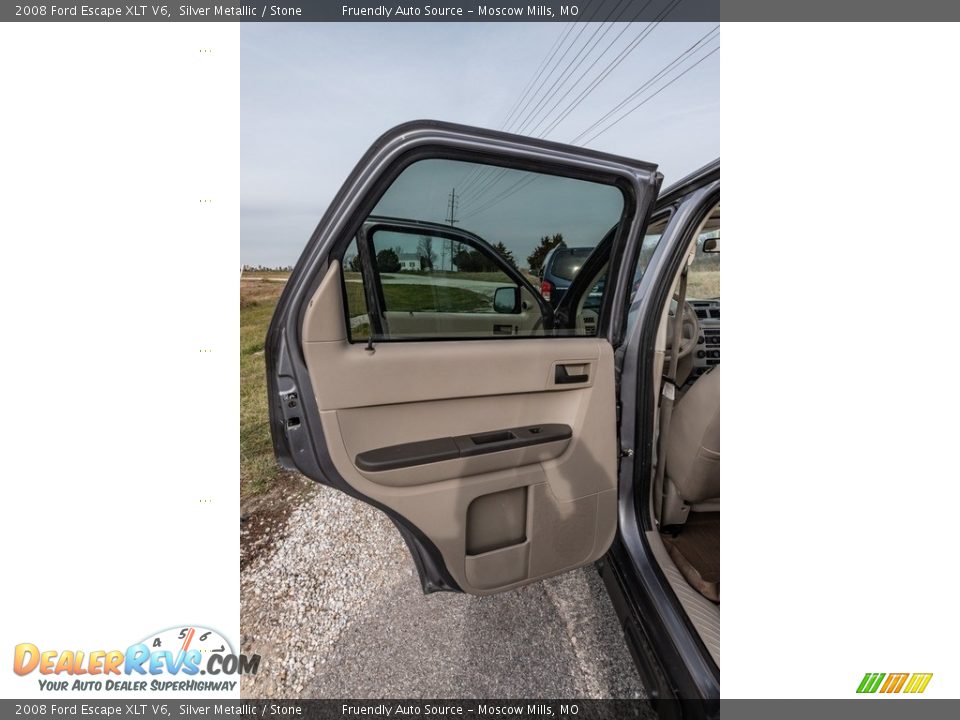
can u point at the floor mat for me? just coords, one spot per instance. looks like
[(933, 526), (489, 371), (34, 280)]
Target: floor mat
[(696, 552)]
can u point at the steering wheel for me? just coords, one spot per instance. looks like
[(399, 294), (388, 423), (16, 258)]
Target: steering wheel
[(689, 331)]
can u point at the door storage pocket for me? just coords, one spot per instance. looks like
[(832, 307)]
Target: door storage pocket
[(497, 520), (498, 567)]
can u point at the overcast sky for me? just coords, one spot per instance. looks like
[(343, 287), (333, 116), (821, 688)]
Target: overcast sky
[(315, 96)]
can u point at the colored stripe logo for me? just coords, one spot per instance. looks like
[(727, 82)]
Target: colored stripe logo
[(913, 683)]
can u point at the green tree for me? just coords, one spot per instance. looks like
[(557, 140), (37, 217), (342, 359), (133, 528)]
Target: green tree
[(428, 257), (505, 253), (387, 261), (355, 263), (547, 243), (473, 261)]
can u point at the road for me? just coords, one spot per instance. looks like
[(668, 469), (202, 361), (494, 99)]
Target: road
[(336, 611)]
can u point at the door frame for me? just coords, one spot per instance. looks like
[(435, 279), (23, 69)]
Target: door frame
[(298, 439), (649, 608)]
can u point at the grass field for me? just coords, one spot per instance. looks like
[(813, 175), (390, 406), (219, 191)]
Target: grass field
[(419, 298), (703, 284), (415, 298), (259, 293)]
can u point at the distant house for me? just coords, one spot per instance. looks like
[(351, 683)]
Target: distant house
[(409, 261)]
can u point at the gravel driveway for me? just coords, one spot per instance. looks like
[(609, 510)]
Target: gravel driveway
[(337, 611)]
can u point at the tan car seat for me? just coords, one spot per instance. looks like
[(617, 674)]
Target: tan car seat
[(693, 448)]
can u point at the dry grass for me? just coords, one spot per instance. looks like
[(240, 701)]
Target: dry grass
[(258, 468), (702, 284)]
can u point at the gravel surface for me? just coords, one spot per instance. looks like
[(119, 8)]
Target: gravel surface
[(336, 610)]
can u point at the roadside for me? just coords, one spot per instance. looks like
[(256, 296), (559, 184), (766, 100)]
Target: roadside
[(337, 611), (267, 493)]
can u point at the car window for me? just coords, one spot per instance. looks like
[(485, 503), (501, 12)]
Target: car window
[(649, 245), (703, 278), (650, 242), (455, 249), (358, 321), (422, 273), (566, 263)]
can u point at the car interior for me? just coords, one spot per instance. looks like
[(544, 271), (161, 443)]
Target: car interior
[(685, 493)]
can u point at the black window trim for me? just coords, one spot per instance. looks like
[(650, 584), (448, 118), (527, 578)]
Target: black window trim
[(416, 227)]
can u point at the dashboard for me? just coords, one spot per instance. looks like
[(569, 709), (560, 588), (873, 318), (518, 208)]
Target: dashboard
[(707, 352)]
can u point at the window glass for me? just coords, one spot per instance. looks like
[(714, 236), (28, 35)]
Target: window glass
[(425, 273), (566, 262), (650, 242), (358, 322), (703, 278), (456, 249)]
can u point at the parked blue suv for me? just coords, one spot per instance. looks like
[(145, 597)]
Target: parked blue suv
[(559, 269)]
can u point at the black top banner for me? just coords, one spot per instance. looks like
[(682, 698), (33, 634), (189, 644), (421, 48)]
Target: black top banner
[(372, 11), (471, 11), (455, 709)]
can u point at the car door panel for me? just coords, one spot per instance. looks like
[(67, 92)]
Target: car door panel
[(441, 434), (567, 486)]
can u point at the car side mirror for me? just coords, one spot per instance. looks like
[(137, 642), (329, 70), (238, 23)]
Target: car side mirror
[(711, 245), (506, 300)]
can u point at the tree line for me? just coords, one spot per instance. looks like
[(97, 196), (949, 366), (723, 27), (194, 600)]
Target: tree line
[(267, 268), (464, 257)]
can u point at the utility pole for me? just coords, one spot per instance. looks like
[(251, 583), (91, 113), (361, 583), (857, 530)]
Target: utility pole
[(452, 207)]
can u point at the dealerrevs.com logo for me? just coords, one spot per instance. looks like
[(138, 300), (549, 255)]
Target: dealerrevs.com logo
[(172, 660)]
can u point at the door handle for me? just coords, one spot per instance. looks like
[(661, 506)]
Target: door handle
[(561, 376)]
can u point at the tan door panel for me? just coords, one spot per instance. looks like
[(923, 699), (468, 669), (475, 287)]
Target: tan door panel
[(502, 518)]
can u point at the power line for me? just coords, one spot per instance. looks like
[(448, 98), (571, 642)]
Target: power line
[(564, 74), (482, 174), (484, 187), (530, 178), (706, 38), (471, 177), (583, 26), (597, 59), (613, 65), (526, 180), (543, 66), (651, 97)]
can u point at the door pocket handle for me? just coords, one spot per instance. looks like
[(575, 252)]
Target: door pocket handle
[(562, 376)]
